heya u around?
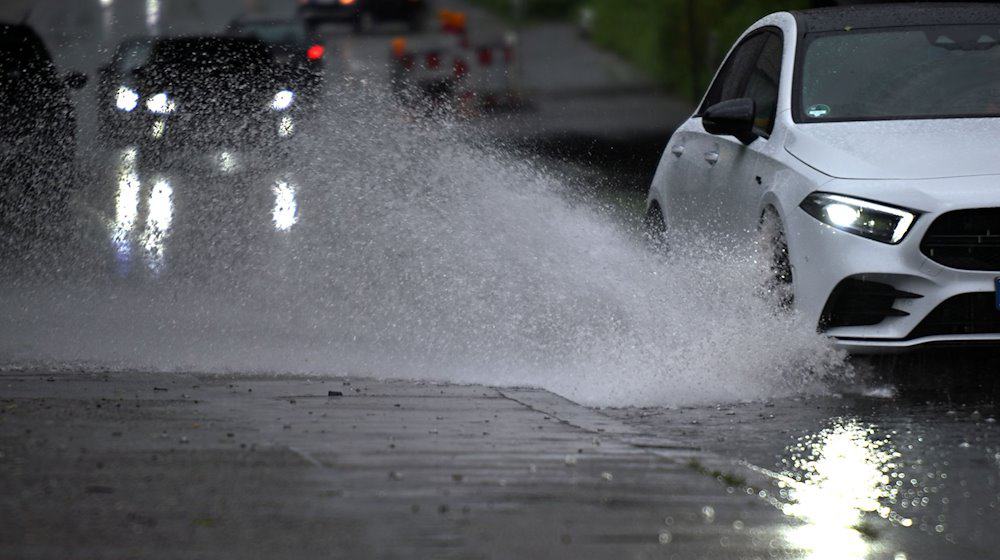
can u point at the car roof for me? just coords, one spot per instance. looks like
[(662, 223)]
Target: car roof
[(895, 15)]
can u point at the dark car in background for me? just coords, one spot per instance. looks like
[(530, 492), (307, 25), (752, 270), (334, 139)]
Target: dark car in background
[(299, 51), (363, 14), (199, 94), (117, 97), (38, 126)]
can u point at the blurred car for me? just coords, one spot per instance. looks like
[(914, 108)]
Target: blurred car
[(363, 14), (215, 93), (295, 47), (860, 146), (38, 128), (116, 82)]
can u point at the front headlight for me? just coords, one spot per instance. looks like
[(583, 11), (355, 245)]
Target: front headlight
[(161, 104), (282, 100), (126, 99), (882, 223)]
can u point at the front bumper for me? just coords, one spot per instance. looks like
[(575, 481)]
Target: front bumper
[(823, 257)]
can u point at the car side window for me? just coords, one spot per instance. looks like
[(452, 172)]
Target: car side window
[(732, 79), (762, 86)]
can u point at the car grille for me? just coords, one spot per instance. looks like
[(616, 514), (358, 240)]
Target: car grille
[(857, 302), (965, 239), (974, 313)]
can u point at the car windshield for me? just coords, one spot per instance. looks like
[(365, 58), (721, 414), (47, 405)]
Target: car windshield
[(901, 73)]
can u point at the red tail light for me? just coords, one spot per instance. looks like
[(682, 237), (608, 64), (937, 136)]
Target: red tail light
[(433, 61), (485, 56), (315, 52)]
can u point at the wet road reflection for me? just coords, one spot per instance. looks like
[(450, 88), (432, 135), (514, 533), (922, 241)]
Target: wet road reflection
[(126, 210), (227, 204), (153, 17), (868, 476), (832, 480), (286, 209)]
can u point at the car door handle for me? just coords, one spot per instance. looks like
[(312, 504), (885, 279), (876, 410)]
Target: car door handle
[(677, 150), (712, 157)]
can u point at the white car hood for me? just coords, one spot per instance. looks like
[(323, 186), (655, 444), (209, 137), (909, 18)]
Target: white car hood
[(916, 149)]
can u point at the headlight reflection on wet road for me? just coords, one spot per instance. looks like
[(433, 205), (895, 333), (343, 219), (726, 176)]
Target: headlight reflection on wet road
[(144, 210), (161, 213), (286, 208), (836, 478), (126, 209), (153, 16)]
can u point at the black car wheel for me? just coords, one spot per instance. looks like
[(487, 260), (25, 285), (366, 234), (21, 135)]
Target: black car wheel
[(772, 241)]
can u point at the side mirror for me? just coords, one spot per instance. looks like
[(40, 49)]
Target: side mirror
[(731, 118), (75, 80)]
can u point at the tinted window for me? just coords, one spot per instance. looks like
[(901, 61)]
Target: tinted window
[(903, 72), (732, 79), (762, 86)]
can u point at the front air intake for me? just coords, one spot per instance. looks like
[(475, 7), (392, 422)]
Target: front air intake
[(974, 313), (857, 302)]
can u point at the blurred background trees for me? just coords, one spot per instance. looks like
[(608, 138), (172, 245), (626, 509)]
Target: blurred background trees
[(680, 43)]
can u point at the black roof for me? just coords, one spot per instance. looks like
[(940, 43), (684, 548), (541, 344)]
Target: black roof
[(895, 15)]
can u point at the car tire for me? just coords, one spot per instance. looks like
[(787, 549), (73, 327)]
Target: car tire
[(779, 285)]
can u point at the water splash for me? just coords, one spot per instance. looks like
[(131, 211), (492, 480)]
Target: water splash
[(419, 252)]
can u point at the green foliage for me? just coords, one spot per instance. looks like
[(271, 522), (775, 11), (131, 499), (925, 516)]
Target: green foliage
[(658, 36)]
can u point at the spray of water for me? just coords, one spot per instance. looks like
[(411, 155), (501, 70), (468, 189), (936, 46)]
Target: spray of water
[(400, 247)]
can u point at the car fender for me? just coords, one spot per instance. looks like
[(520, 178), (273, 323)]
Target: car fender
[(788, 188)]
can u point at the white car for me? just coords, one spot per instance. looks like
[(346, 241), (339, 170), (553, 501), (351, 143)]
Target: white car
[(866, 140)]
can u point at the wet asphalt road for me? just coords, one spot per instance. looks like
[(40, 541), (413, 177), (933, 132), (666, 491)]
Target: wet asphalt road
[(132, 465), (927, 458)]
